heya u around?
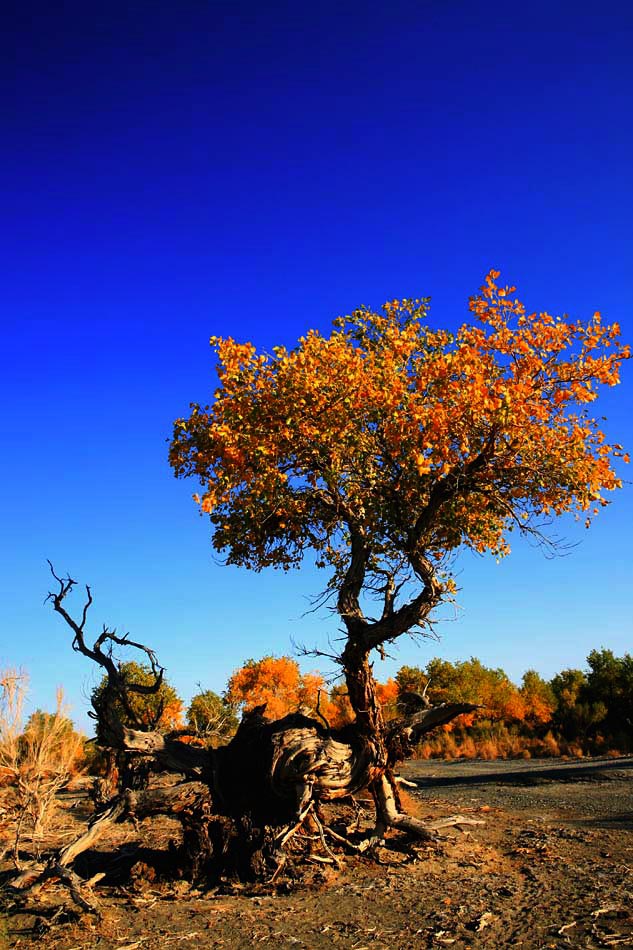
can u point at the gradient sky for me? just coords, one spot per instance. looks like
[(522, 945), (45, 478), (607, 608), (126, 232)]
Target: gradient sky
[(176, 170)]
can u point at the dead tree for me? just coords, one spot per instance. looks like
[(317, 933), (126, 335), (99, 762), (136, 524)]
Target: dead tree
[(241, 803)]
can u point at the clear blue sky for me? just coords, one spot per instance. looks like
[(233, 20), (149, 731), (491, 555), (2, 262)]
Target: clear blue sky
[(176, 170)]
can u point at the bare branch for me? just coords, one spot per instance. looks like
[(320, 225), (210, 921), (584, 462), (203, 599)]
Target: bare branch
[(118, 686)]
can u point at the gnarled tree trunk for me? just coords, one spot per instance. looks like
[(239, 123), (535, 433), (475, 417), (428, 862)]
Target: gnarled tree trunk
[(240, 804)]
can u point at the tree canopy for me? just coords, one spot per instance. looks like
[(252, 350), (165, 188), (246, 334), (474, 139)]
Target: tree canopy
[(210, 715), (388, 444), (161, 709), (277, 683)]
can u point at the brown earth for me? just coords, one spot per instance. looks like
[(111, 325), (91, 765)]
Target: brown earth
[(551, 867)]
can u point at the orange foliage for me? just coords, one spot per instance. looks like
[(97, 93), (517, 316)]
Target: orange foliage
[(407, 442), (341, 712), (367, 425), (277, 682), (538, 699), (172, 717), (471, 682), (387, 695)]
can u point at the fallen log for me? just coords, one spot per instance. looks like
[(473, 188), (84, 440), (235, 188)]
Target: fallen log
[(241, 804)]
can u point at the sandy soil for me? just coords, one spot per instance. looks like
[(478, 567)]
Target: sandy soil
[(551, 867)]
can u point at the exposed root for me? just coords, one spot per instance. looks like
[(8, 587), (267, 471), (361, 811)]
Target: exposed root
[(389, 816), (399, 780), (181, 800), (452, 821), (280, 866), (287, 832), (327, 850), (341, 839), (35, 877), (75, 885)]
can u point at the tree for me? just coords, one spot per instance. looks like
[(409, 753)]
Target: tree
[(610, 684), (159, 708), (278, 684), (211, 716), (538, 698), (576, 714), (597, 704), (387, 696), (467, 681), (568, 687), (387, 446), (382, 449), (341, 713), (411, 679)]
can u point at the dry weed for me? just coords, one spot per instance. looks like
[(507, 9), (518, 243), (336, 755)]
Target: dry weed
[(36, 760)]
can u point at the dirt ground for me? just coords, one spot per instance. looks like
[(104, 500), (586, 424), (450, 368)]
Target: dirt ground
[(552, 866)]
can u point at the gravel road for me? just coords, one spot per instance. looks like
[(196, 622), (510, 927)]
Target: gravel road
[(596, 792)]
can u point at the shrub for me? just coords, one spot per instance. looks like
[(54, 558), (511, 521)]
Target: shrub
[(36, 761)]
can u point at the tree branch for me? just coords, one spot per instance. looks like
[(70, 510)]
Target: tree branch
[(348, 599), (411, 614), (117, 685)]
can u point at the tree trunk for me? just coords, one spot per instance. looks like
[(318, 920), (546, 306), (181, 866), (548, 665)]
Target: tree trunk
[(361, 687)]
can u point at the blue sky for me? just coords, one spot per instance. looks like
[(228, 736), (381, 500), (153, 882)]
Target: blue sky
[(173, 171)]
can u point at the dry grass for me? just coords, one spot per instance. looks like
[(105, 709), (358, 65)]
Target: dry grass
[(36, 761), (489, 746)]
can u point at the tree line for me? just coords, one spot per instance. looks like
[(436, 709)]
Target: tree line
[(577, 712)]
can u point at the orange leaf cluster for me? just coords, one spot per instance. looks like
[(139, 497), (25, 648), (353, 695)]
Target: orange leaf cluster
[(413, 436), (278, 683)]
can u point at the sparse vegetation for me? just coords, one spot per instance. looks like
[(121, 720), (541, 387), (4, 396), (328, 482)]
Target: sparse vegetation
[(211, 717), (36, 760)]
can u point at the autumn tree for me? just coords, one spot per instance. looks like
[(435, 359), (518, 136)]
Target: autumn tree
[(159, 708), (387, 446), (340, 712), (278, 684), (466, 681), (381, 449), (387, 696), (538, 698)]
